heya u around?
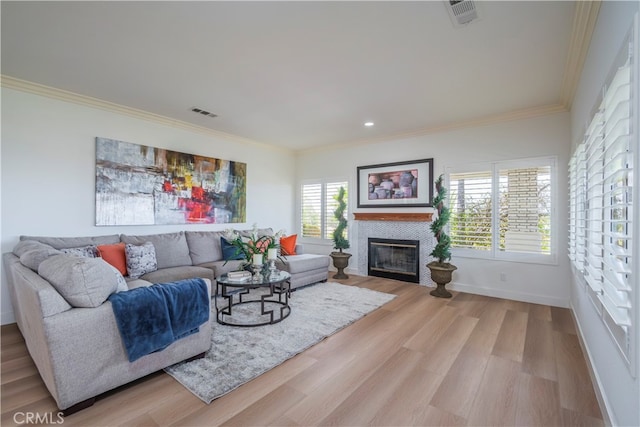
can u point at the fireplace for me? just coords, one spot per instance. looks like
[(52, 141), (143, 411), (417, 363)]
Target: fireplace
[(395, 226), (394, 259)]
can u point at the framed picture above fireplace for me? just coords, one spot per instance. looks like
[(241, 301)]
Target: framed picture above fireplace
[(396, 185)]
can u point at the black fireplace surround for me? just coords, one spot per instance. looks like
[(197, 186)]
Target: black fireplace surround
[(394, 259)]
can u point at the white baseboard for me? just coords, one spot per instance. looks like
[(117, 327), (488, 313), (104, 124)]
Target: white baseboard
[(595, 378), (8, 318), (508, 294), (498, 293)]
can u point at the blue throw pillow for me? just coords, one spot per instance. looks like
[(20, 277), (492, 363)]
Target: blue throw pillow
[(230, 252)]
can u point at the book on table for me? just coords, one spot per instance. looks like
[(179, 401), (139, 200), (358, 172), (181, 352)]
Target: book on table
[(238, 275)]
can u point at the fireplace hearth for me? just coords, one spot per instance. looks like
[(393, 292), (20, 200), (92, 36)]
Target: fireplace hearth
[(394, 259)]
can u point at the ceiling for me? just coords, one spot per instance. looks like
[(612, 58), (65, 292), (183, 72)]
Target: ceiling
[(298, 75)]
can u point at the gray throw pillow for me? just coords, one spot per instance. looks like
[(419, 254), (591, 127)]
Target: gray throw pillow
[(83, 282), (28, 245), (34, 257), (140, 259)]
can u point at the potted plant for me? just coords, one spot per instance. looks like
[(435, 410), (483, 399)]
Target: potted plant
[(441, 270), (247, 248), (340, 259)]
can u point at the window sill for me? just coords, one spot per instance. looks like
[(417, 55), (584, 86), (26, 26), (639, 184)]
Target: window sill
[(507, 257)]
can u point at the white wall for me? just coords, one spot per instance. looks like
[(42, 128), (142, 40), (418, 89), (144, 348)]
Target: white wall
[(619, 389), (48, 171), (537, 137)]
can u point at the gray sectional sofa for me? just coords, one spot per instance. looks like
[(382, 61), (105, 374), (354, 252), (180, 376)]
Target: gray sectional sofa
[(73, 338)]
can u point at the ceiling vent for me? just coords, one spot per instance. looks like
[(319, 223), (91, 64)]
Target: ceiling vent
[(462, 12), (203, 112)]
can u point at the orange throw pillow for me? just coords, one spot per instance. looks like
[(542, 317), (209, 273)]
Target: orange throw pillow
[(288, 244), (114, 255)]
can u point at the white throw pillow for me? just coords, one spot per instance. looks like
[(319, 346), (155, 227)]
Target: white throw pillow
[(140, 259), (89, 251), (122, 283)]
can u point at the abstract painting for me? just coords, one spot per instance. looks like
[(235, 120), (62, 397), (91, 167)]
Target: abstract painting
[(142, 185)]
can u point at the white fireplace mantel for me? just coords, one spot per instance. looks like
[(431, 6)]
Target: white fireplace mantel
[(393, 216)]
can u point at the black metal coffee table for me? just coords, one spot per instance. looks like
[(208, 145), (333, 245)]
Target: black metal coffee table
[(264, 301)]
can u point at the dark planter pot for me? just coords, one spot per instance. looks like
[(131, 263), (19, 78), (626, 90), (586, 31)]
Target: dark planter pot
[(340, 262), (441, 274)]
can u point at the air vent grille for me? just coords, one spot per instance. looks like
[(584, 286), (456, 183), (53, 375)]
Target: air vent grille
[(203, 112), (462, 12)]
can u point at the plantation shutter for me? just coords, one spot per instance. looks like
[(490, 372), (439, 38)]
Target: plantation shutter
[(470, 203), (618, 197), (572, 209), (311, 214), (581, 207), (593, 213), (525, 209), (602, 202)]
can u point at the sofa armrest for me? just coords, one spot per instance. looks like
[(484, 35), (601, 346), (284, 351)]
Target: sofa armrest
[(87, 356), (30, 293), (33, 300)]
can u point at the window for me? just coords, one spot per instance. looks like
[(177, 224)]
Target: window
[(601, 205), (317, 208), (504, 210), (471, 206)]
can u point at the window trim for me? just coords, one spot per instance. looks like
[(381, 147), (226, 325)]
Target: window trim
[(323, 182), (494, 168)]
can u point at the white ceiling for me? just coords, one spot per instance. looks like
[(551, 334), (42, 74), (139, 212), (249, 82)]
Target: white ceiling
[(296, 74)]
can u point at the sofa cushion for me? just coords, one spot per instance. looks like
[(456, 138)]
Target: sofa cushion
[(171, 248), (141, 259), (34, 257), (259, 231), (114, 255), (173, 274), (204, 246), (136, 283), (305, 262), (222, 267), (83, 282), (74, 242)]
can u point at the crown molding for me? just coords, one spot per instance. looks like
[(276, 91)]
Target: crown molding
[(526, 113), (87, 101), (584, 22)]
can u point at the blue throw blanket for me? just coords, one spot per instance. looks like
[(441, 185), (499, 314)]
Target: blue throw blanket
[(151, 318)]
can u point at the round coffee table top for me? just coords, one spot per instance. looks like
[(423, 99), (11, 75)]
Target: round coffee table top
[(263, 279)]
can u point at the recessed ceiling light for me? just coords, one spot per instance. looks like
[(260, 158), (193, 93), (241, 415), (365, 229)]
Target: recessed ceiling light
[(368, 124)]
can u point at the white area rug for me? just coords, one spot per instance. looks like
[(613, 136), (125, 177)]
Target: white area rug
[(238, 355)]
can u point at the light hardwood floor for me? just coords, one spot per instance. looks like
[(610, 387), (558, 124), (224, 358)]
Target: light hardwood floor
[(418, 360)]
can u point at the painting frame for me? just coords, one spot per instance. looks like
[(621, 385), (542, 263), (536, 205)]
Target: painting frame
[(405, 184)]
